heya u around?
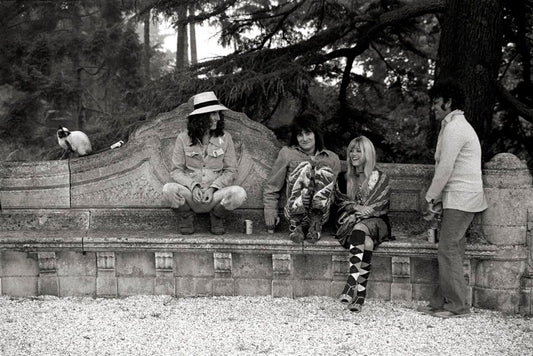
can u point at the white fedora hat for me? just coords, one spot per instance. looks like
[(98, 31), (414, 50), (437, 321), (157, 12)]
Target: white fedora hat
[(206, 102)]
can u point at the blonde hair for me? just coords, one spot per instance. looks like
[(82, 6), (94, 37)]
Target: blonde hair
[(369, 152)]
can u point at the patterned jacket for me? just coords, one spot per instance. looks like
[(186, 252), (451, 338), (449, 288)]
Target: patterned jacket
[(378, 198), (288, 158)]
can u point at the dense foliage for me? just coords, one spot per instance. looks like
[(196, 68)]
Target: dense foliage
[(363, 66)]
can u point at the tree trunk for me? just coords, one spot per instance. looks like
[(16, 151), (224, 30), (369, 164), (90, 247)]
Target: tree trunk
[(146, 59), (470, 52), (192, 35), (76, 68), (181, 50)]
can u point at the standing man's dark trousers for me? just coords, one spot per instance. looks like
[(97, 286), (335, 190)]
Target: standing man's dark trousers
[(451, 294)]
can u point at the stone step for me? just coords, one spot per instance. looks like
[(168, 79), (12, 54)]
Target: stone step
[(162, 219)]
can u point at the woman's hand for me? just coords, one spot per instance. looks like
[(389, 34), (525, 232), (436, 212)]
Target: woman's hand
[(197, 194)]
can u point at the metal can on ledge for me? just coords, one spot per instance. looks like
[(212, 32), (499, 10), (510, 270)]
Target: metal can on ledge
[(249, 227)]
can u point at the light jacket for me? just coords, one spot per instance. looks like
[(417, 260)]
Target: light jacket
[(457, 166), (216, 169), (288, 158)]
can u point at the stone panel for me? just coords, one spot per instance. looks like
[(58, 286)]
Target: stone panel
[(282, 288), (20, 286), (134, 219), (44, 219), (165, 284), (378, 290), (77, 286), (423, 291), (106, 284), (70, 263), (194, 264), (499, 274), (381, 269), (495, 299), (48, 284), (135, 286), (312, 267), (253, 286), (16, 263), (247, 265), (305, 288), (424, 270), (191, 287), (223, 286), (135, 264), (35, 184)]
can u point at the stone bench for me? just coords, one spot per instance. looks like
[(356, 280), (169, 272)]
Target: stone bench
[(94, 226)]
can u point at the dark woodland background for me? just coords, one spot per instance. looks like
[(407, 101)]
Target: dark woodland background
[(363, 67)]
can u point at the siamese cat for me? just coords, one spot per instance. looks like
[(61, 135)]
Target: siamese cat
[(73, 142)]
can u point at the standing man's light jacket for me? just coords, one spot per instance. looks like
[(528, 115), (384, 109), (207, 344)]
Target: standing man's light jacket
[(457, 181), (213, 167)]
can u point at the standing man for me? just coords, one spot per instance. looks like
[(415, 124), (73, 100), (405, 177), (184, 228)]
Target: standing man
[(458, 186)]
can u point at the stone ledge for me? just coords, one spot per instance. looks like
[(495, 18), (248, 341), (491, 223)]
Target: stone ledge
[(149, 240)]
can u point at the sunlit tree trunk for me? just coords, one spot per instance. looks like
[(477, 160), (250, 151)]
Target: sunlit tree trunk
[(146, 59), (76, 67), (181, 50)]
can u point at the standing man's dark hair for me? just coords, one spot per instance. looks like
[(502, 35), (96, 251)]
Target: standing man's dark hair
[(447, 90)]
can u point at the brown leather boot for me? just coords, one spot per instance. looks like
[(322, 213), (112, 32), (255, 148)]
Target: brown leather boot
[(186, 222), (217, 216)]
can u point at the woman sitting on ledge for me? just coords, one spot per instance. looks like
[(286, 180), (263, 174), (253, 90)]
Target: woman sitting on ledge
[(362, 197), (204, 167), (308, 171)]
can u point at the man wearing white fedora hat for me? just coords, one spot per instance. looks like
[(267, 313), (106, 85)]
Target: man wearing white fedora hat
[(203, 168)]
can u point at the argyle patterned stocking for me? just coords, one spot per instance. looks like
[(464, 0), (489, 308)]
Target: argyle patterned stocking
[(362, 279), (357, 248)]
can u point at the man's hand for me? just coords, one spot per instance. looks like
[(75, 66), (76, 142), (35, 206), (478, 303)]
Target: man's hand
[(208, 195), (197, 194), (364, 210), (271, 219)]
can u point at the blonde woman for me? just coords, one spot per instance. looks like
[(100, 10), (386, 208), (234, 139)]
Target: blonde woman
[(362, 196)]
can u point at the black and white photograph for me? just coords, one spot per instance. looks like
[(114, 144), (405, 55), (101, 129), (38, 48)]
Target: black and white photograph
[(266, 177)]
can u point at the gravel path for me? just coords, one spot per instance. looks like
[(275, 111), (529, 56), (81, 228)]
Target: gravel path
[(162, 325)]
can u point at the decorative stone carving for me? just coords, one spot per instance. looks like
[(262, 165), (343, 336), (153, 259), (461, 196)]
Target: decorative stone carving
[(401, 267), (222, 263), (340, 265), (105, 260), (163, 261), (281, 264), (47, 262)]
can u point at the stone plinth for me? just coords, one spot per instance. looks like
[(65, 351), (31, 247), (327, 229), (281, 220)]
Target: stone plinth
[(505, 282)]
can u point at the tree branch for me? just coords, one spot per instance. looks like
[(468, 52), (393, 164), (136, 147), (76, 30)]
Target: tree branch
[(519, 107)]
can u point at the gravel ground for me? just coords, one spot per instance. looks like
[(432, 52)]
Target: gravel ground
[(162, 325)]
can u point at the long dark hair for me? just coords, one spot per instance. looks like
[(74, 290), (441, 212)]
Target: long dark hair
[(306, 122), (198, 125)]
